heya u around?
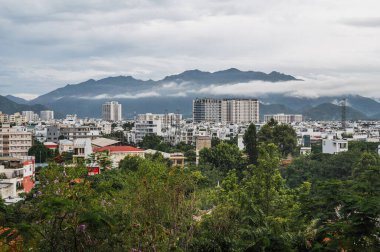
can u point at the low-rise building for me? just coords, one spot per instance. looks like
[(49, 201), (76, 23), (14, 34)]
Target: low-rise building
[(16, 176), (176, 158), (118, 153), (81, 149), (65, 146), (333, 146)]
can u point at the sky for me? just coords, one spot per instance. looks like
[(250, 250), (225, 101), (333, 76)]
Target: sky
[(333, 45)]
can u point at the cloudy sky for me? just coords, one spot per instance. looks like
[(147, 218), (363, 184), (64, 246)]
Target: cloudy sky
[(333, 45)]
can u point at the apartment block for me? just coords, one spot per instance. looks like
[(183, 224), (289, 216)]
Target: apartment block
[(47, 115), (14, 142), (226, 110), (111, 111), (143, 128), (240, 110), (283, 118)]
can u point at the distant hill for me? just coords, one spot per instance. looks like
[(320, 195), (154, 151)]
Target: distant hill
[(229, 76), (17, 99), (9, 107), (176, 92), (328, 111), (138, 96)]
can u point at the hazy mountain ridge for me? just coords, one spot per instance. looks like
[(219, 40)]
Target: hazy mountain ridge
[(176, 92), (9, 107)]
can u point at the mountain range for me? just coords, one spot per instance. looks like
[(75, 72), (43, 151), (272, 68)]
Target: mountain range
[(8, 106), (176, 92)]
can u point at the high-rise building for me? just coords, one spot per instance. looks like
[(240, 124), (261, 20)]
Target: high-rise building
[(226, 110), (240, 110), (111, 111), (47, 115), (207, 109), (29, 115)]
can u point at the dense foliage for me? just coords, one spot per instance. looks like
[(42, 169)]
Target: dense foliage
[(318, 203)]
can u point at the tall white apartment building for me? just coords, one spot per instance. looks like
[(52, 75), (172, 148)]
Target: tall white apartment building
[(14, 142), (47, 115), (240, 110), (111, 111), (29, 115), (226, 110), (283, 118)]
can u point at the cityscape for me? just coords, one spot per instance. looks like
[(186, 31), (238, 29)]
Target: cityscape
[(189, 126)]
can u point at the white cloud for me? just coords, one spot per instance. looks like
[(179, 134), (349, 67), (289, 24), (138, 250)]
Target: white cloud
[(122, 96), (46, 44)]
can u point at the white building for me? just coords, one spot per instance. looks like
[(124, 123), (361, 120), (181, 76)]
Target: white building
[(143, 128), (333, 146), (82, 148), (283, 118), (47, 115), (240, 110), (168, 120), (111, 111), (30, 116), (17, 176)]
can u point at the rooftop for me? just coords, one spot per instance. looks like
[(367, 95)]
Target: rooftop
[(119, 149)]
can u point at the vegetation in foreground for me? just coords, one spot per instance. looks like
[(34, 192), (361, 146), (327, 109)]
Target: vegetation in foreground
[(233, 201)]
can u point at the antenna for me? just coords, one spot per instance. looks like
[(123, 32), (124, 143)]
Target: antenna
[(343, 104)]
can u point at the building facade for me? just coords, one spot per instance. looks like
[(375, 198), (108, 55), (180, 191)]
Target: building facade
[(207, 110), (14, 142), (111, 111), (226, 110), (240, 110), (283, 118), (47, 115)]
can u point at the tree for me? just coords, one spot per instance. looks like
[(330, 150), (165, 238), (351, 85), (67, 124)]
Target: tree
[(41, 152), (128, 125), (282, 135), (223, 157), (151, 141), (250, 143)]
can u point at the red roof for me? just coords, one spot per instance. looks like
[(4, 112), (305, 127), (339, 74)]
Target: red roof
[(119, 149)]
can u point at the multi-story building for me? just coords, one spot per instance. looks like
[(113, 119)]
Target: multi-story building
[(29, 116), (226, 110), (283, 118), (14, 142), (167, 120), (16, 176), (240, 110), (207, 110), (17, 119), (47, 115), (332, 145), (82, 149), (143, 128), (76, 132), (111, 111), (52, 134)]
